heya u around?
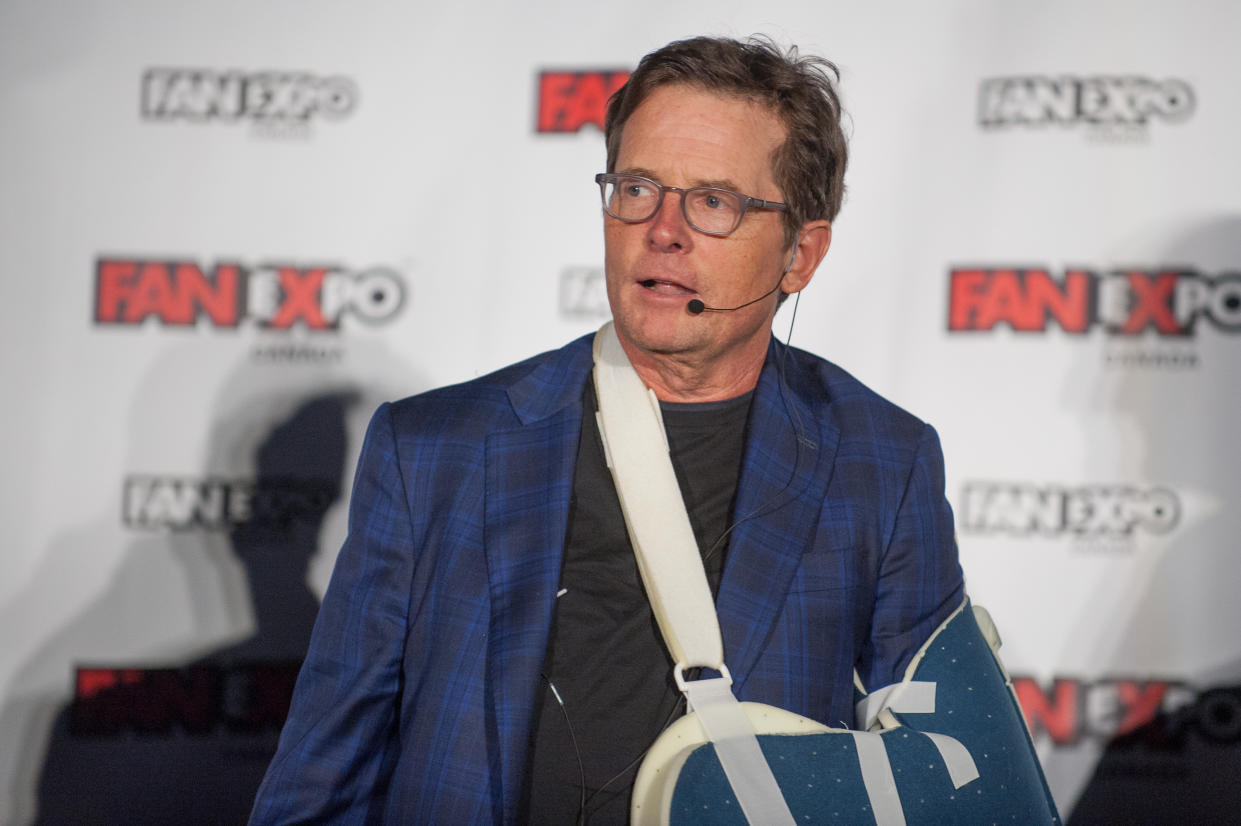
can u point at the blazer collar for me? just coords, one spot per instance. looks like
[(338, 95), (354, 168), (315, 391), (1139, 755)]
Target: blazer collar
[(555, 382), (789, 456), (529, 482)]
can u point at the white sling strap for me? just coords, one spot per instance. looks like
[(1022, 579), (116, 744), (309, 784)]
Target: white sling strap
[(636, 448)]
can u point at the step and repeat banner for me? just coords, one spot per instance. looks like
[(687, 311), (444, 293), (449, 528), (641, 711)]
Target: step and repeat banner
[(234, 228)]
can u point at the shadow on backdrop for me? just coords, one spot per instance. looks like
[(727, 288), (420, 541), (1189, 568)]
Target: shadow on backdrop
[(1180, 762), (188, 743)]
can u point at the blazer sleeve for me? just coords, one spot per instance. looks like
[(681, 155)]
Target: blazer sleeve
[(920, 581), (338, 745)]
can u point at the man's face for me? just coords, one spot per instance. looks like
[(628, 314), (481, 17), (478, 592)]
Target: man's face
[(682, 136)]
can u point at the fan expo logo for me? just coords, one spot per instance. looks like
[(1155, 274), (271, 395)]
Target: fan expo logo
[(1084, 512), (274, 103), (183, 292), (583, 293), (1158, 714), (569, 100), (1169, 305), (198, 700), (176, 503), (1107, 104)]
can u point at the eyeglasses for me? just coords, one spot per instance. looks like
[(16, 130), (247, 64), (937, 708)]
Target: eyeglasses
[(634, 199)]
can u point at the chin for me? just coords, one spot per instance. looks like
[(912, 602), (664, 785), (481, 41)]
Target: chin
[(661, 338)]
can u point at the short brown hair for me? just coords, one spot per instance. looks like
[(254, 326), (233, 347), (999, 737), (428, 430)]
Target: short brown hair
[(809, 167)]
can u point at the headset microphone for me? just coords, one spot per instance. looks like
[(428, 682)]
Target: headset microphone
[(696, 307)]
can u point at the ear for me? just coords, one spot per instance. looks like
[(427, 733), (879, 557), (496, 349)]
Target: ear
[(812, 243)]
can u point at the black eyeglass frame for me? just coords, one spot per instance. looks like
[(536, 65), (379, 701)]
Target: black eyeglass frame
[(605, 178)]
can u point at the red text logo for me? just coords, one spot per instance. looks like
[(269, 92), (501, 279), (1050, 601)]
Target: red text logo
[(570, 100), (1128, 302), (197, 699), (128, 291), (1067, 711)]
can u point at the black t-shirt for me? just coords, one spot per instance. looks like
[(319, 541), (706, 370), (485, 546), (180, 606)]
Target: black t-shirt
[(605, 657)]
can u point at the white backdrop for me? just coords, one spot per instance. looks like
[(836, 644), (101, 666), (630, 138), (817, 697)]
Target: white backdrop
[(257, 170)]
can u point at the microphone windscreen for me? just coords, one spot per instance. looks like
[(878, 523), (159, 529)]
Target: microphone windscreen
[(695, 306)]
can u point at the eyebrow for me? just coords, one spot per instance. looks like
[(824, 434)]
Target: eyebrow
[(715, 183)]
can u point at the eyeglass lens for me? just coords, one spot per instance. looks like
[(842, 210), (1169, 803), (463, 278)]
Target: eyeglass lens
[(631, 198)]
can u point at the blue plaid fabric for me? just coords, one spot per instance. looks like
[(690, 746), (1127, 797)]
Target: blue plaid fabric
[(415, 703)]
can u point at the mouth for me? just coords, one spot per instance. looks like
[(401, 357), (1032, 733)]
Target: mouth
[(666, 287)]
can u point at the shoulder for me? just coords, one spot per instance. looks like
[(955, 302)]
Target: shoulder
[(842, 402), (511, 396)]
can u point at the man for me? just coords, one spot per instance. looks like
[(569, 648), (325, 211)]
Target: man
[(485, 652)]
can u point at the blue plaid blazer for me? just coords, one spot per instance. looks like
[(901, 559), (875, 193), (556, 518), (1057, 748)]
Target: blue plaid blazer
[(415, 703)]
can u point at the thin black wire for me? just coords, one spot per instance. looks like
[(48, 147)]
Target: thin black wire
[(582, 818), (798, 431), (583, 799), (581, 769)]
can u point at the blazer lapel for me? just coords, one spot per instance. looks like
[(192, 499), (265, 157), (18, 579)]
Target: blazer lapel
[(529, 483), (784, 478)]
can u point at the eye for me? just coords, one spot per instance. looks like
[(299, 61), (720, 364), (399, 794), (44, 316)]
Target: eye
[(634, 188), (711, 200)]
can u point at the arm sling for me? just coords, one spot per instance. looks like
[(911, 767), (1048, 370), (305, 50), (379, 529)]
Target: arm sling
[(715, 765)]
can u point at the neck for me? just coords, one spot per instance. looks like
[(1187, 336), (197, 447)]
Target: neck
[(684, 378)]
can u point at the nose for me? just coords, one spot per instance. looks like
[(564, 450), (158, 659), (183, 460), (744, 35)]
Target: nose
[(668, 230)]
